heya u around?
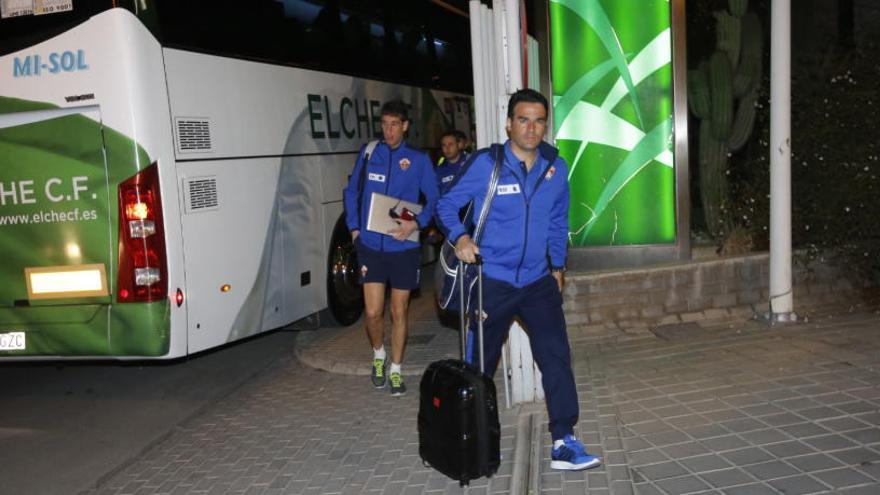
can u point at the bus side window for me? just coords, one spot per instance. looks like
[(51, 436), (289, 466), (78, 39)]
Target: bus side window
[(406, 41)]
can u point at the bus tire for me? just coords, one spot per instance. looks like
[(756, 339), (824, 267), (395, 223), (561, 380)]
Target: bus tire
[(345, 297)]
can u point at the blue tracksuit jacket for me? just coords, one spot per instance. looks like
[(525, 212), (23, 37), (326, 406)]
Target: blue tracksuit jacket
[(526, 232), (446, 171), (402, 173)]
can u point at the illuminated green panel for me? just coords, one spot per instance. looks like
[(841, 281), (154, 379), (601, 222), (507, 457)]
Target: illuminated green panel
[(612, 87)]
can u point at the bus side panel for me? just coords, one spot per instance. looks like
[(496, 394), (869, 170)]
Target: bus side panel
[(135, 102), (301, 228), (228, 249)]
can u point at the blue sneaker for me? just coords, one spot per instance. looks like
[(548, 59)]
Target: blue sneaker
[(570, 455)]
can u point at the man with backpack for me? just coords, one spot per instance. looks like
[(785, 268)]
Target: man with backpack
[(393, 168), (524, 249)]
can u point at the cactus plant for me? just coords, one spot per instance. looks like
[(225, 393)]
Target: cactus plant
[(722, 93)]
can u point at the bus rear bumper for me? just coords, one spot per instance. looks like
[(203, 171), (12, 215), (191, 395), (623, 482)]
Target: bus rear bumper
[(85, 331)]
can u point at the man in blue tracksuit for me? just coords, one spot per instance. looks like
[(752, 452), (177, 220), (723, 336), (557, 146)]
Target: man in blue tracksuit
[(396, 169), (524, 252), (451, 161)]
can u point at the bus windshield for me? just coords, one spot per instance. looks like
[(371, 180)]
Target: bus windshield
[(20, 28)]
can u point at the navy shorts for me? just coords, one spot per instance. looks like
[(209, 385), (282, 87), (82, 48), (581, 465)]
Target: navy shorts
[(400, 269)]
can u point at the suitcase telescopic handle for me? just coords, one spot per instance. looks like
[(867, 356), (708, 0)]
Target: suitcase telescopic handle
[(478, 313)]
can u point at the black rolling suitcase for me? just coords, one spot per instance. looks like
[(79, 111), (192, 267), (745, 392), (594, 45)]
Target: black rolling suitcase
[(459, 432)]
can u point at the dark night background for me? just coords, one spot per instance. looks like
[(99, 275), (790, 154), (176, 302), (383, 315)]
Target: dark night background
[(835, 156)]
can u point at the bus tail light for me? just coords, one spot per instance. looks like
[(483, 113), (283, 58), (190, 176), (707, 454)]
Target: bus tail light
[(143, 268)]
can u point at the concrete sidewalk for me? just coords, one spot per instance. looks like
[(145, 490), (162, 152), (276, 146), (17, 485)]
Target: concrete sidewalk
[(727, 406)]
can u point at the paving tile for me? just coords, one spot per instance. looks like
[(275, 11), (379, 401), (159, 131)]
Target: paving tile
[(788, 449), (706, 431), (797, 404), (843, 477), (723, 415), (596, 480), (797, 485), (861, 490), (856, 456), (621, 488), (820, 413), (684, 484), (647, 489), (763, 437), (770, 470), (667, 438), (727, 477), (750, 489), (720, 444), (856, 407), (749, 455), (871, 417), (804, 430), (760, 410), (743, 425), (814, 462), (648, 427), (833, 398), (683, 450), (829, 442), (704, 463), (657, 403), (844, 424), (662, 470), (867, 436), (705, 406), (782, 419), (649, 456)]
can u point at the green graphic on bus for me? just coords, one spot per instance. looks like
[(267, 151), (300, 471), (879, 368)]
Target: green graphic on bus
[(59, 172), (613, 110)]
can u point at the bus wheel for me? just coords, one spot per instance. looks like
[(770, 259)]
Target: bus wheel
[(344, 294)]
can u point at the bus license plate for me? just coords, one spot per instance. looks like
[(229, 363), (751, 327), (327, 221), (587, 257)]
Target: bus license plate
[(12, 341)]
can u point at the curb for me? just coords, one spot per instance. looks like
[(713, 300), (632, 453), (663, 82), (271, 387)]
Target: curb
[(526, 475)]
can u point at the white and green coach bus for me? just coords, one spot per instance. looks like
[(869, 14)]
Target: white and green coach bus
[(171, 172)]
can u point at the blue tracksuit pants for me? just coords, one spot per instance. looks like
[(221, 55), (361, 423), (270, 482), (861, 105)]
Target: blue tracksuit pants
[(539, 307)]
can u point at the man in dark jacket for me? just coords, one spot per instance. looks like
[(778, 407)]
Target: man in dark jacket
[(396, 169), (524, 251)]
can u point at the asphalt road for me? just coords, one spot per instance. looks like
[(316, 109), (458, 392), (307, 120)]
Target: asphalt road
[(64, 426)]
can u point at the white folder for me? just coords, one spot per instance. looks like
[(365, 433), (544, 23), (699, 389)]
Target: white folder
[(379, 218)]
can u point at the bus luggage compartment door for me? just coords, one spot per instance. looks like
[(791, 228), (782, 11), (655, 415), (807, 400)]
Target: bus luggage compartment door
[(55, 236)]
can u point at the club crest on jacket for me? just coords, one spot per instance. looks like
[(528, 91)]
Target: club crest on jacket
[(404, 163), (550, 173)]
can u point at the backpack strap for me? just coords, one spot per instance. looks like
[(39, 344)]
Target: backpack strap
[(368, 151), (490, 192)]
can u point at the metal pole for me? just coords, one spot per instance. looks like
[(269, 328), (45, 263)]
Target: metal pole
[(512, 40), (781, 300), (462, 321), (480, 96), (479, 315)]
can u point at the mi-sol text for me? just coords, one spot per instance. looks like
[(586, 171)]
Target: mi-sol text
[(55, 62)]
